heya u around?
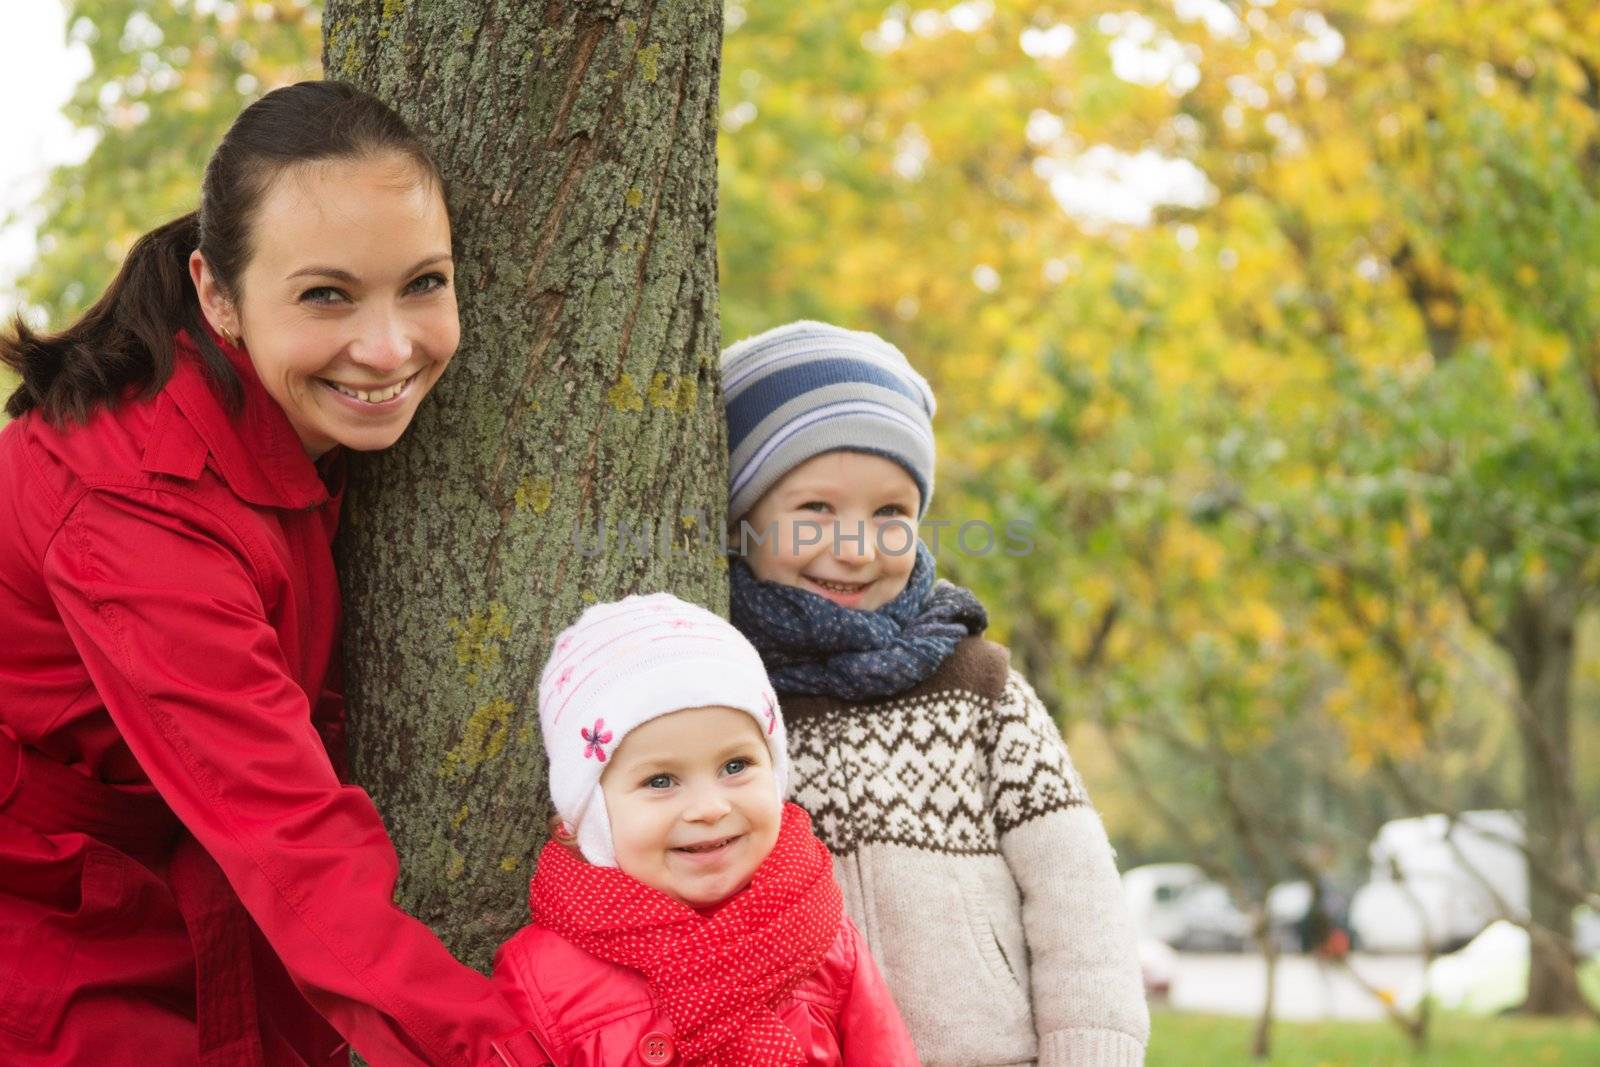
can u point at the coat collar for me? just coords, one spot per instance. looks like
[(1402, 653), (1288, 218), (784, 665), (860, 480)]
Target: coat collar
[(255, 451)]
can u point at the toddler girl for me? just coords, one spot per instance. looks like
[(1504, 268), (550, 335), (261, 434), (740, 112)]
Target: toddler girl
[(684, 913), (968, 851)]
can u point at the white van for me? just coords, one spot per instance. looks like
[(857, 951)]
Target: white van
[(1441, 881)]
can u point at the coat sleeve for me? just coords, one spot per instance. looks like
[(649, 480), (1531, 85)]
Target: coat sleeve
[(871, 1031), (166, 610), (1085, 983)]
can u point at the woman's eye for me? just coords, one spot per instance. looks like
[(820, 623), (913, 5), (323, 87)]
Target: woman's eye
[(658, 781), (322, 294), (428, 283)]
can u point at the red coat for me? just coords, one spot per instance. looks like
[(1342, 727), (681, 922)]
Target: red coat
[(171, 614), (595, 1013)]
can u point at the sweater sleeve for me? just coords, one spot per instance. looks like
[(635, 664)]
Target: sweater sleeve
[(175, 635), (1085, 983)]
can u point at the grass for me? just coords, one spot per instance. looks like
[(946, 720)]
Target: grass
[(1180, 1040)]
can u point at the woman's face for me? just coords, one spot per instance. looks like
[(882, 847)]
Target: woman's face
[(347, 305)]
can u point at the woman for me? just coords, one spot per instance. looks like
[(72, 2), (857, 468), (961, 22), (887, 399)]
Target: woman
[(183, 876)]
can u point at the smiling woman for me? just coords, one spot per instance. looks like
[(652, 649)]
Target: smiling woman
[(182, 858), (346, 307)]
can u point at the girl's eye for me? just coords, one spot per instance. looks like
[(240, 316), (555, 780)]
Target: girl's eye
[(734, 766), (891, 510), (658, 781), (428, 283), (814, 505), (323, 294)]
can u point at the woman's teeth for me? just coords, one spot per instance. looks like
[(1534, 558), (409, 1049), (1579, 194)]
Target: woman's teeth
[(373, 396)]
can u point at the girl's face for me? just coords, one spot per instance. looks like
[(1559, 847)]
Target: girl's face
[(347, 305), (842, 525), (693, 803)]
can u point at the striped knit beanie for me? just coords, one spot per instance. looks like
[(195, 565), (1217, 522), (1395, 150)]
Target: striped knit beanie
[(807, 388), (625, 663)]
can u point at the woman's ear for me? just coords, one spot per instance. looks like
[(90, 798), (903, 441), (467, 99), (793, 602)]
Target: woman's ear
[(215, 303)]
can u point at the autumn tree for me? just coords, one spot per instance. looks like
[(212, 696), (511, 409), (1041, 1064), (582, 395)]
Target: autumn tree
[(578, 144)]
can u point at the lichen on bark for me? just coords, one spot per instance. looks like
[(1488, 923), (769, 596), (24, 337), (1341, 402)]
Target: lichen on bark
[(577, 143)]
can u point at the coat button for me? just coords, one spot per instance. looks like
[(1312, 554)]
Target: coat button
[(656, 1048)]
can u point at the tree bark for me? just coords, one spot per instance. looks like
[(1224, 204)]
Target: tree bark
[(1539, 636), (578, 145)]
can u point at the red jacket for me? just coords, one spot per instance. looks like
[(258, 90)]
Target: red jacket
[(595, 1013), (171, 616)]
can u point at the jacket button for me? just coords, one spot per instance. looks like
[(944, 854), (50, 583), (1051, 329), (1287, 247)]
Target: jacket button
[(656, 1048)]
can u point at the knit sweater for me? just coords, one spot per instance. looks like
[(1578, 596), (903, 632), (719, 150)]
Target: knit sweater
[(975, 867)]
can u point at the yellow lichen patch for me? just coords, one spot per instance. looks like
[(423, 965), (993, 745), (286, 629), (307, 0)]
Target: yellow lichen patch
[(460, 817), (688, 394), (668, 395), (650, 62), (662, 392), (633, 197), (534, 495), (478, 636), (510, 863), (483, 739), (625, 395), (456, 867)]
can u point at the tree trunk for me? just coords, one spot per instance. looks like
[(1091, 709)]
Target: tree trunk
[(1539, 636), (578, 146)]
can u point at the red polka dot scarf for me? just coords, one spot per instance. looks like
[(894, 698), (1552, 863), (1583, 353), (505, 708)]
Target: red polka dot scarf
[(718, 976)]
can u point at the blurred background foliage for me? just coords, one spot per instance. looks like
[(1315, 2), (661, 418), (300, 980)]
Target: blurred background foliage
[(1278, 321)]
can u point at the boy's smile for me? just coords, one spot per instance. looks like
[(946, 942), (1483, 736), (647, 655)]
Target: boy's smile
[(693, 803), (841, 525)]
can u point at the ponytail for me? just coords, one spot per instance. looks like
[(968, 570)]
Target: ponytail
[(125, 339)]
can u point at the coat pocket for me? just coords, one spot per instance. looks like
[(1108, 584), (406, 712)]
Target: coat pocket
[(1008, 975), (41, 948)]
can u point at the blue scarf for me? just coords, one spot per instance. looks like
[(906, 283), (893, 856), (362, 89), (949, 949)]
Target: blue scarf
[(813, 647)]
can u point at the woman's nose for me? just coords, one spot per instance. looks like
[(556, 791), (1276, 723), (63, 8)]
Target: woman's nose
[(384, 344)]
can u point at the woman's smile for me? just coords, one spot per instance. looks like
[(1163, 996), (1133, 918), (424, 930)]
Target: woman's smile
[(375, 399)]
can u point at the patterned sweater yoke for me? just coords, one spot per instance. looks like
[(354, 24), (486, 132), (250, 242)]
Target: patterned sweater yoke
[(976, 867)]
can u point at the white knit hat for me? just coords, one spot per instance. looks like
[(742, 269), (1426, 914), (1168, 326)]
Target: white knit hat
[(625, 663)]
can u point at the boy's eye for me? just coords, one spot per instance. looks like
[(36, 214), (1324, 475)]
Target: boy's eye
[(658, 781), (428, 283), (323, 294)]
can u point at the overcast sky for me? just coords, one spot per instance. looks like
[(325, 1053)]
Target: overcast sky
[(37, 73)]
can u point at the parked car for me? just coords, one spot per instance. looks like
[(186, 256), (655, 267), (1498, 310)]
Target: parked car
[(1440, 882), (1158, 964), (1152, 893), (1209, 921)]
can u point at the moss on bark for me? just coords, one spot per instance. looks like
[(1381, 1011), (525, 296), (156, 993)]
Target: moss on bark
[(577, 141)]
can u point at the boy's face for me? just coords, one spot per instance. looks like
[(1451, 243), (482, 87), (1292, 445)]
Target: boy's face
[(842, 525), (693, 805)]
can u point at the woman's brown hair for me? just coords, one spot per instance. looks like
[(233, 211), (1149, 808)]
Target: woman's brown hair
[(126, 339)]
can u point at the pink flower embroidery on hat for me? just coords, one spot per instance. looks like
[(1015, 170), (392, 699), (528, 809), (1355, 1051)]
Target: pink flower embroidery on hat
[(771, 712), (563, 678), (596, 739)]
